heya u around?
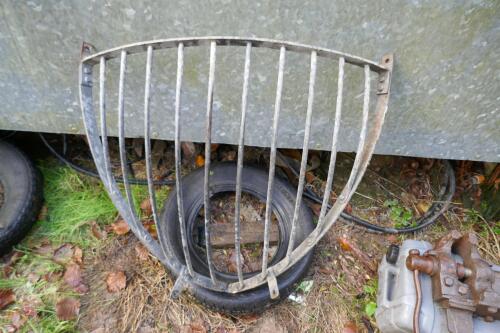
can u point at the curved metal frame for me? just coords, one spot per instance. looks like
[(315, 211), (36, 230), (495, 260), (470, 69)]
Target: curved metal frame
[(97, 139)]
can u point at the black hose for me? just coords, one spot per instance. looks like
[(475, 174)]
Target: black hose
[(437, 208), (91, 173)]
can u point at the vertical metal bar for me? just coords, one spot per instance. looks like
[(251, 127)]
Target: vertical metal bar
[(272, 159), (102, 114), (364, 129), (178, 183), (333, 154), (353, 178), (121, 132), (147, 140), (208, 142), (305, 151), (239, 168)]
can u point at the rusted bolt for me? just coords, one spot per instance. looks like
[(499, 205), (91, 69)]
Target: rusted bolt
[(463, 290), (448, 281)]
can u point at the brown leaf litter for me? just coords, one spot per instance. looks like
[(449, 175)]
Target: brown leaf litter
[(67, 308)]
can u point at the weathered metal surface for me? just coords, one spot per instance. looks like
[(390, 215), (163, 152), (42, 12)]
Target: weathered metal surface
[(445, 87), (371, 126)]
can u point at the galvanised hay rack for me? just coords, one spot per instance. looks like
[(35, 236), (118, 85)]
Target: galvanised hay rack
[(98, 142)]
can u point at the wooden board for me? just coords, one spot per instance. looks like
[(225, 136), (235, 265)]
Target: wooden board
[(222, 234)]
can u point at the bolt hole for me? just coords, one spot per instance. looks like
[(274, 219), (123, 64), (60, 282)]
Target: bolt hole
[(387, 60)]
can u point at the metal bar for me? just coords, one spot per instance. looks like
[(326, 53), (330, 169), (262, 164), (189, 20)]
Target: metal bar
[(178, 182), (362, 135), (102, 114), (305, 151), (272, 159), (237, 41), (147, 140), (333, 152), (239, 167), (208, 142), (121, 133)]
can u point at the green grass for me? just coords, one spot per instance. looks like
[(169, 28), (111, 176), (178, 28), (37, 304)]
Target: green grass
[(73, 201)]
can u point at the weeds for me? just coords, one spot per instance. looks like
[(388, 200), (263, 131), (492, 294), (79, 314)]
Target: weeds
[(400, 215), (370, 295)]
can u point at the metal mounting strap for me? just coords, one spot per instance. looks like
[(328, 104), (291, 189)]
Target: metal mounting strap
[(180, 284), (272, 283)]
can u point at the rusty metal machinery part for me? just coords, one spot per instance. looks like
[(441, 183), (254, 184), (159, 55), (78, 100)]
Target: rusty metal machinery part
[(462, 288), (97, 135)]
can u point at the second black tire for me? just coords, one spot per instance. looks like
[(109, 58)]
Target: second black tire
[(21, 186), (254, 182)]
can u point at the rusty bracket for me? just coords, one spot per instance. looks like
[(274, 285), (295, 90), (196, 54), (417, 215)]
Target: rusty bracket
[(384, 79)]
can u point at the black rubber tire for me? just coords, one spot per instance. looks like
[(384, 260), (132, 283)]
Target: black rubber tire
[(23, 196), (254, 182)]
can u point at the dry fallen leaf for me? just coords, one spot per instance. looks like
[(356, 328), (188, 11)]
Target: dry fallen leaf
[(73, 278), (8, 261), (310, 177), (344, 244), (73, 275), (348, 209), (151, 228), (30, 310), (116, 281), (78, 255), (7, 297), (200, 161), (63, 254), (142, 252), (67, 308), (423, 206), (97, 231), (350, 327), (214, 147), (120, 227), (146, 207)]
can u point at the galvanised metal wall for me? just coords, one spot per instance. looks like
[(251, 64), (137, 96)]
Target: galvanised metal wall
[(445, 91)]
